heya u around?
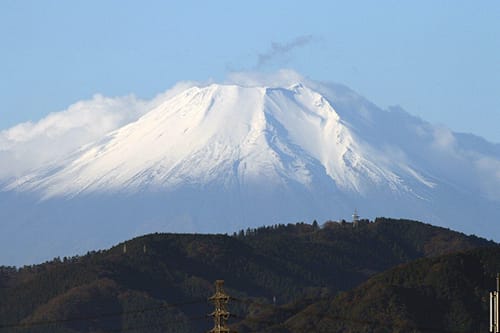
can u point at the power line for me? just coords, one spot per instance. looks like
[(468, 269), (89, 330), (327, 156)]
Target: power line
[(21, 325), (338, 318), (105, 315), (162, 325)]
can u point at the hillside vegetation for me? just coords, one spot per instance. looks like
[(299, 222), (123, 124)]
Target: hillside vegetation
[(444, 294), (161, 282)]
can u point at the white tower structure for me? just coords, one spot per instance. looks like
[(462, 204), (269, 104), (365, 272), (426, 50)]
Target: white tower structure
[(355, 217), (495, 308)]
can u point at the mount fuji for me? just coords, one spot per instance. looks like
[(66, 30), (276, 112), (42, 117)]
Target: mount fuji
[(221, 157)]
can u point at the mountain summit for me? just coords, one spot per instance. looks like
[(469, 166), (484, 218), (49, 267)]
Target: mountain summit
[(217, 158), (228, 136)]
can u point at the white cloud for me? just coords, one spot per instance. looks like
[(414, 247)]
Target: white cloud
[(175, 90), (489, 174), (30, 145), (281, 78), (444, 139), (477, 170)]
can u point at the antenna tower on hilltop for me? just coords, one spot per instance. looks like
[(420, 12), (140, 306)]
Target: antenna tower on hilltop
[(355, 217)]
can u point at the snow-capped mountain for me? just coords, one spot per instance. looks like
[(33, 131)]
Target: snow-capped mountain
[(228, 135), (221, 157)]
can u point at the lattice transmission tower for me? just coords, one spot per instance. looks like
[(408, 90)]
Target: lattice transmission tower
[(220, 314)]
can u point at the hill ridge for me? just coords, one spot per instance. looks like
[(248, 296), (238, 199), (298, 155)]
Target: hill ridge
[(291, 262)]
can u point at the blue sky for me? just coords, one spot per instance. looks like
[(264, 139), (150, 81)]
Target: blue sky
[(439, 60)]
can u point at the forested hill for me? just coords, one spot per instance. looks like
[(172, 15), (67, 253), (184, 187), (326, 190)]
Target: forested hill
[(442, 294), (160, 282)]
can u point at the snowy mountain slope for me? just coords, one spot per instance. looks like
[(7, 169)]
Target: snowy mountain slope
[(218, 158), (216, 133)]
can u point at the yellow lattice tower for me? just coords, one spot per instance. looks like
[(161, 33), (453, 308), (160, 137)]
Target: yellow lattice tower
[(220, 314)]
